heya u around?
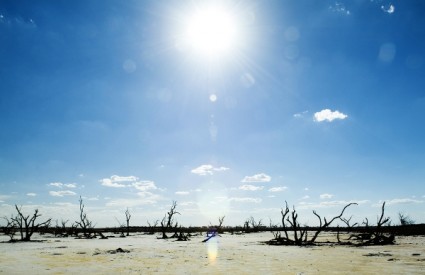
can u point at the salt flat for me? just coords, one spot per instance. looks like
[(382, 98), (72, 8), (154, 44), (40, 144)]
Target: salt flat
[(231, 254)]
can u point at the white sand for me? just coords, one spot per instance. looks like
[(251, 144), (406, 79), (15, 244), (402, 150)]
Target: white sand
[(235, 254)]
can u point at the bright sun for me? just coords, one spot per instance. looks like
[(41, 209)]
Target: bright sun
[(211, 32)]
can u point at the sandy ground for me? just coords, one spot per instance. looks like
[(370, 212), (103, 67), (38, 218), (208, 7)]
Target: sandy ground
[(228, 254)]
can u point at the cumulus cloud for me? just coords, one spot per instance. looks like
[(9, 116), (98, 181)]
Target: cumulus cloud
[(207, 169), (328, 115), (257, 178), (326, 196), (62, 193), (278, 189), (31, 194), (248, 187)]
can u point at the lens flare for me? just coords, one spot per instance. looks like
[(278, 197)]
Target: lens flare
[(212, 249)]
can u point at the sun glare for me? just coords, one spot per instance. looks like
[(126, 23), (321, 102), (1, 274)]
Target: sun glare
[(211, 31)]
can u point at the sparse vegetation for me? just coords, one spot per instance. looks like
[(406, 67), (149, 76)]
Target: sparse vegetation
[(290, 232)]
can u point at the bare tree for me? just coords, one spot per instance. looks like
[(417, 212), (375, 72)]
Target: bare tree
[(168, 221), (84, 223), (10, 229), (24, 224), (127, 219), (60, 229), (300, 233), (324, 224), (405, 219), (378, 235), (152, 227)]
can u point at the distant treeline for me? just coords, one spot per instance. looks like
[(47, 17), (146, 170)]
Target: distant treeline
[(400, 230)]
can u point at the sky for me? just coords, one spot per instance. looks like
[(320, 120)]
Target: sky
[(229, 108)]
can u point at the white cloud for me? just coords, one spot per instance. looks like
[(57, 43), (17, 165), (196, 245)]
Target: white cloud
[(116, 178), (328, 115), (144, 185), (388, 8), (306, 197), (245, 200), (61, 185), (207, 169), (248, 187), (110, 183), (257, 178), (56, 184), (62, 193), (309, 205), (300, 115), (119, 181), (326, 196), (401, 201), (31, 194), (337, 203), (70, 185), (182, 193), (278, 189)]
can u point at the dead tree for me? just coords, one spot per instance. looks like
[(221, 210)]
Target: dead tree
[(25, 225), (256, 226), (152, 227), (290, 223), (168, 221), (127, 219), (348, 227), (324, 224), (10, 229), (299, 233), (61, 230), (377, 233), (405, 219), (84, 223)]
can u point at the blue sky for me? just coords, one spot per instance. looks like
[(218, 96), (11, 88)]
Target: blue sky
[(319, 103)]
